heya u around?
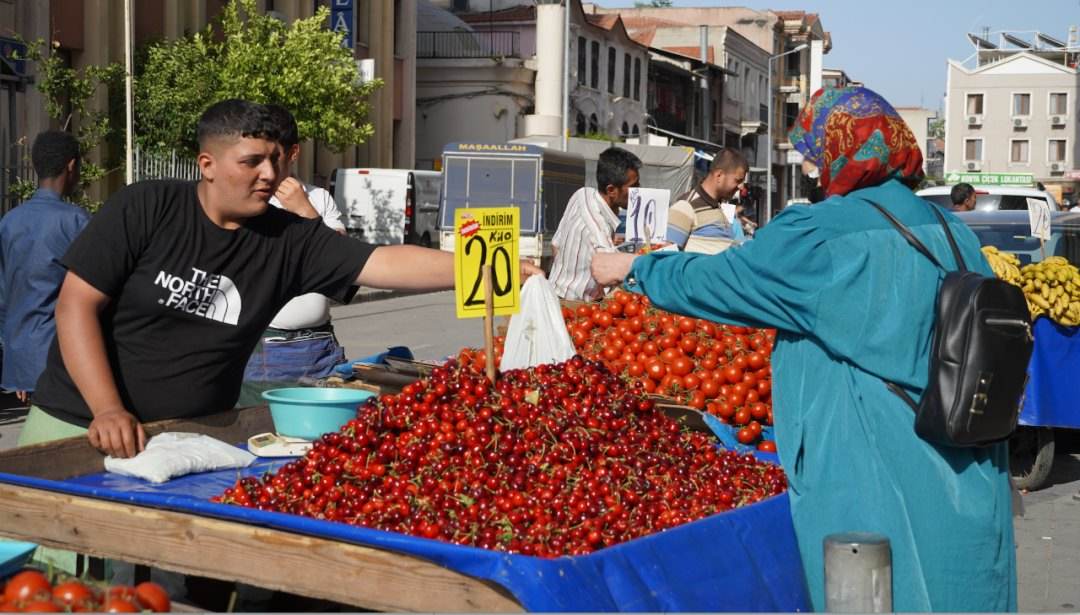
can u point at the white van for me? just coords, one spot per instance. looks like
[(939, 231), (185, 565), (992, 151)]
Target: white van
[(388, 206)]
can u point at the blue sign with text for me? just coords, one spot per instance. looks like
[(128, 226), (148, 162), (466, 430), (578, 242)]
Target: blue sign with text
[(341, 20)]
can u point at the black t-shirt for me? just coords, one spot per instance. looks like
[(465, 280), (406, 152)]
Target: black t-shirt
[(189, 298)]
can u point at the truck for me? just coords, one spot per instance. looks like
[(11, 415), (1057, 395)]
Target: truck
[(536, 180), (389, 206)]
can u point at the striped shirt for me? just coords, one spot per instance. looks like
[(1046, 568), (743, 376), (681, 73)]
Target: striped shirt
[(696, 223), (587, 226)]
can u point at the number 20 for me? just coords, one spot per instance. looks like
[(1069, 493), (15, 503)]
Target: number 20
[(496, 288)]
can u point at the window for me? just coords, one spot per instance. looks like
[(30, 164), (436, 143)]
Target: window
[(594, 126), (792, 64), (761, 88), (1059, 103), (974, 104), (637, 78), (791, 115), (1021, 104), (1020, 151), (973, 149), (458, 6), (1056, 151), (635, 130), (579, 123), (594, 64), (581, 60), (611, 56), (625, 129), (626, 76)]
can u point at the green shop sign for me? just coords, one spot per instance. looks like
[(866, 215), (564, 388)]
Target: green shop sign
[(991, 179)]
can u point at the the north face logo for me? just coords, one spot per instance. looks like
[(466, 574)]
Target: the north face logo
[(209, 295)]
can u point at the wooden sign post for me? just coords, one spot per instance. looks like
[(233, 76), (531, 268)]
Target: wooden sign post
[(489, 324)]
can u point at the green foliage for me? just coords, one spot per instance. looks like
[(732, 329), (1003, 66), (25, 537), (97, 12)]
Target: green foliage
[(936, 129), (600, 136), (301, 66), (68, 94)]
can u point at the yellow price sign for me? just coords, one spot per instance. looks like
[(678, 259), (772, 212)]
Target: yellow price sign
[(486, 237)]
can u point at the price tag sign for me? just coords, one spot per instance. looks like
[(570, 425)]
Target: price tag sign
[(1039, 216), (486, 237), (647, 214)]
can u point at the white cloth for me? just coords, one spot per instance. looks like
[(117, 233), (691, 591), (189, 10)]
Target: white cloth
[(587, 226), (312, 309), (173, 454)]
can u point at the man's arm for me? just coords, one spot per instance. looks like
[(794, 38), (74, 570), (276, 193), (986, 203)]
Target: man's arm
[(680, 223), (113, 430), (406, 267)]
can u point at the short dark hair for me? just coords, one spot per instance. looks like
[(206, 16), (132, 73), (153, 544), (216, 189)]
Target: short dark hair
[(52, 151), (290, 133), (237, 118), (960, 193), (728, 160), (613, 166)]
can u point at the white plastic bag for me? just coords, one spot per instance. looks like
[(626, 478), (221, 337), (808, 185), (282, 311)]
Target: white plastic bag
[(173, 454), (537, 334)]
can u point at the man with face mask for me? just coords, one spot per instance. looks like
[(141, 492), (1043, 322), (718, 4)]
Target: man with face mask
[(696, 222)]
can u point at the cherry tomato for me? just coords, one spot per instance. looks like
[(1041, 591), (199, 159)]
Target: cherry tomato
[(119, 605), (745, 435), (681, 366), (732, 374), (152, 596), (41, 606), (71, 593), (767, 445), (26, 585)]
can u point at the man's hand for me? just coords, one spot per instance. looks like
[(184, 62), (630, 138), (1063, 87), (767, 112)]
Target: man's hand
[(117, 433), (611, 268), (528, 269), (293, 198)]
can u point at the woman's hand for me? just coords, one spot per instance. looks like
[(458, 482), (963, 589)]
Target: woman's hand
[(117, 433), (528, 269), (611, 268)]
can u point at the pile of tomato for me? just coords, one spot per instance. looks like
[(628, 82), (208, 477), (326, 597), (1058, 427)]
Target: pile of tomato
[(30, 591), (554, 460), (722, 369)]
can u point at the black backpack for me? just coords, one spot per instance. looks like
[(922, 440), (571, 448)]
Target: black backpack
[(978, 361)]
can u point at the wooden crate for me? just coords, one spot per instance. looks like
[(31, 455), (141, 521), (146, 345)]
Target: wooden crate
[(322, 568)]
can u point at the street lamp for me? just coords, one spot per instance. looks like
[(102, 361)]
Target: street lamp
[(769, 146)]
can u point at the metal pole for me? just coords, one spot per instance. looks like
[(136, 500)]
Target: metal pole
[(768, 150), (858, 573), (703, 32), (129, 162), (566, 78)]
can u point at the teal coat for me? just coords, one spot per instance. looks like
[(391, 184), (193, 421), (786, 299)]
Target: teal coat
[(853, 303)]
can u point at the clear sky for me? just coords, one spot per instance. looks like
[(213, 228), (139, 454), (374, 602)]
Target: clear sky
[(899, 48)]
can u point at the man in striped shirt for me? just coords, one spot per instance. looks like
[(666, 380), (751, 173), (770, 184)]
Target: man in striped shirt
[(589, 225), (696, 222)]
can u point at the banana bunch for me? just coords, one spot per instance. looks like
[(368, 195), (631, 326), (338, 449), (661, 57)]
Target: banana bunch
[(1005, 265), (1052, 288)]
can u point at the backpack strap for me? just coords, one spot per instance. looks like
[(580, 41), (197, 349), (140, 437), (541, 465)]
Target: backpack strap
[(908, 235), (960, 264)]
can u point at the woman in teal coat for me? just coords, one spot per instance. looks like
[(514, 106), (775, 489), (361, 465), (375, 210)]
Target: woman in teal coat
[(854, 304)]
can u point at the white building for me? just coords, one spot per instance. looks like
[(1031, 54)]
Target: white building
[(918, 120), (1012, 108)]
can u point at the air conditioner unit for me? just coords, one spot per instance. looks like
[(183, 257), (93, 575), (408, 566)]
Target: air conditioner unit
[(1020, 122), (1057, 120), (974, 166), (1057, 166), (974, 120)]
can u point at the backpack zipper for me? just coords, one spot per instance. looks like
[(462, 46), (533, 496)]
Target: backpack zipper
[(1012, 322)]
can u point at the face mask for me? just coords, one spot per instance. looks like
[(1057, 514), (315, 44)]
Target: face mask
[(812, 189)]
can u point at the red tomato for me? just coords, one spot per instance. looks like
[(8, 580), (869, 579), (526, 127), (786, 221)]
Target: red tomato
[(691, 382), (688, 345), (755, 360), (725, 410), (152, 596), (742, 417), (635, 369), (71, 593), (681, 366), (41, 606), (26, 585), (710, 387), (767, 445), (655, 369), (697, 400), (759, 411), (745, 435), (119, 605), (755, 427), (732, 374), (631, 309)]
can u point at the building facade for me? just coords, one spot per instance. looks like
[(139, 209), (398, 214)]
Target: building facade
[(90, 32), (1015, 111), (918, 120)]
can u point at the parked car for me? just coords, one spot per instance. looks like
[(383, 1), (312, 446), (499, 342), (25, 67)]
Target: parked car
[(1031, 448), (389, 206), (991, 198)]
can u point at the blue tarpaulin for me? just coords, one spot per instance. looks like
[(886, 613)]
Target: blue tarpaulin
[(741, 560), (1053, 391)]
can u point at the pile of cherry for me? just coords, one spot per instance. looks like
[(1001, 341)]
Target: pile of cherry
[(550, 461), (722, 369)]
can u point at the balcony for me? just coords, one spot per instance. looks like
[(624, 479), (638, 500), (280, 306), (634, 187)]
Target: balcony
[(451, 45)]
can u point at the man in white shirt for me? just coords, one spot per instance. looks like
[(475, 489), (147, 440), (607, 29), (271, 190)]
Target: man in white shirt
[(300, 342), (589, 224)]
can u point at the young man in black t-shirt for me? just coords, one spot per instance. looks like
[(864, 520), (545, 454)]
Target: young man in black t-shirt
[(172, 283)]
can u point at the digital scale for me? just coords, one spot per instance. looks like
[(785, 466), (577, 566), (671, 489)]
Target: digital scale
[(273, 445)]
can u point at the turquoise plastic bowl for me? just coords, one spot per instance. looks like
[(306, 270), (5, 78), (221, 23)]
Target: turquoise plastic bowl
[(308, 412)]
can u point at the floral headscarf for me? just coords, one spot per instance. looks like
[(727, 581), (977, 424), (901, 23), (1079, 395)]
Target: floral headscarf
[(857, 140)]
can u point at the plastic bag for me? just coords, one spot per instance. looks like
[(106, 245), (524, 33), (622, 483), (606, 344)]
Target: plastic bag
[(537, 334), (173, 454)]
